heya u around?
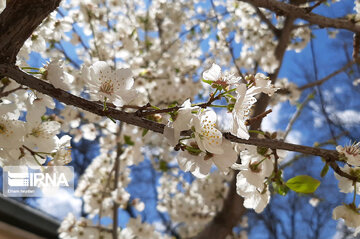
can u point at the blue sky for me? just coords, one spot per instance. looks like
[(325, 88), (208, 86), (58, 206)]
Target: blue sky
[(328, 57)]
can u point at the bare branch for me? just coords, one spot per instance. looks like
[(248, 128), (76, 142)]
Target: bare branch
[(233, 205), (284, 9), (297, 114), (131, 118), (224, 221), (6, 93), (119, 151), (319, 82), (263, 18)]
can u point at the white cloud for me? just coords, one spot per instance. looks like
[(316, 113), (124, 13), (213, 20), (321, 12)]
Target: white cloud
[(60, 205), (225, 121), (159, 226), (294, 137), (346, 117), (271, 120)]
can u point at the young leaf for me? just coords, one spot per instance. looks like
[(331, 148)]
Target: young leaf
[(163, 166), (303, 184), (207, 81), (280, 188), (128, 140), (324, 170), (145, 132)]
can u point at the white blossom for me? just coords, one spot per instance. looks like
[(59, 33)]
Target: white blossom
[(57, 76), (351, 153), (11, 133), (207, 136), (113, 85), (214, 74), (350, 216)]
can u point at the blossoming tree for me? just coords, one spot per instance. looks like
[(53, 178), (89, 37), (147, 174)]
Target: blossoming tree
[(150, 80)]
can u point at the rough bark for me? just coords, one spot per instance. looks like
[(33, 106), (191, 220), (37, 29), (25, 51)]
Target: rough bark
[(32, 82), (18, 21)]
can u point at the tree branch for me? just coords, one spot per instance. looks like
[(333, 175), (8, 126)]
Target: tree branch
[(214, 229), (281, 8), (263, 18), (328, 77), (222, 222), (22, 78), (18, 21), (6, 93)]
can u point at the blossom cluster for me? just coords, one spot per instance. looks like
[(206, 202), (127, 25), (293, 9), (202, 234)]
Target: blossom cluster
[(207, 146), (142, 52), (349, 212), (33, 139)]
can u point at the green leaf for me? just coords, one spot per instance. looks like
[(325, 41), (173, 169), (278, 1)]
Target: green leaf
[(303, 184), (207, 81), (128, 140), (280, 188), (230, 96), (144, 132), (163, 166), (155, 107), (324, 170)]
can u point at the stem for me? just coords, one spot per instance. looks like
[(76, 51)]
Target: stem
[(37, 161), (30, 68), (258, 117), (226, 92), (93, 32), (260, 162), (276, 156), (256, 131), (354, 193), (33, 152), (119, 151), (185, 138), (105, 107), (219, 106), (111, 119), (214, 93)]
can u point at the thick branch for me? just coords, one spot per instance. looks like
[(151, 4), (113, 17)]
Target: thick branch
[(223, 223), (131, 118), (280, 50), (18, 21), (97, 108), (215, 229), (281, 8)]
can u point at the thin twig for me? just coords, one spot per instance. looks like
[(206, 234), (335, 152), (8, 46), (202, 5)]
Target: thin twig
[(74, 30), (62, 49), (258, 117), (119, 151), (297, 114), (309, 9), (67, 98), (6, 93), (267, 21), (328, 77)]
